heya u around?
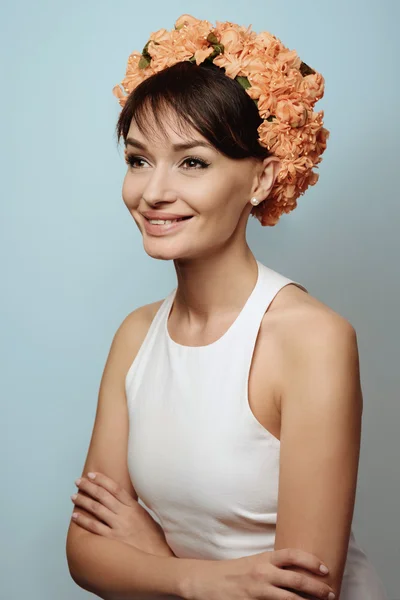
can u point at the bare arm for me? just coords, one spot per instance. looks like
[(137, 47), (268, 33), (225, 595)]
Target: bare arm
[(150, 535), (106, 567), (320, 442), (115, 571)]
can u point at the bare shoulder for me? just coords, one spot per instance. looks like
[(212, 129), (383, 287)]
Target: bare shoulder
[(301, 314), (299, 323), (141, 315), (133, 330), (301, 319)]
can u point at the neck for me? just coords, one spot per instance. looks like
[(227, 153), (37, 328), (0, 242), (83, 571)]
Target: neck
[(213, 288)]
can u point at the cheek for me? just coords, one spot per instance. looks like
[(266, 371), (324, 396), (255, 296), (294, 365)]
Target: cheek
[(130, 193), (226, 198)]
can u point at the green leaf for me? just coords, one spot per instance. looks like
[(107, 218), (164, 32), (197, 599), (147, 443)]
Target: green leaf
[(218, 49), (212, 38), (143, 62), (244, 82), (145, 52)]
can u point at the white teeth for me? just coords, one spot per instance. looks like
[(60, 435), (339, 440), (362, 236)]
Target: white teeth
[(161, 222)]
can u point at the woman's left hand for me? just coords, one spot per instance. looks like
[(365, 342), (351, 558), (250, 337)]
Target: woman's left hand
[(113, 508)]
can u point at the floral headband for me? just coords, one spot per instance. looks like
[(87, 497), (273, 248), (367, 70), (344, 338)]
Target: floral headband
[(283, 87)]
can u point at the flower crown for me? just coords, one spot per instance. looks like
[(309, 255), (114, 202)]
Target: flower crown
[(283, 87)]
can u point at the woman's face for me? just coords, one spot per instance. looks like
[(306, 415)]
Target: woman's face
[(197, 181)]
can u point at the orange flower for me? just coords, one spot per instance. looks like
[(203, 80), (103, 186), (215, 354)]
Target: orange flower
[(266, 39), (230, 63), (312, 88), (197, 34), (288, 59), (221, 27), (186, 20), (269, 44), (158, 51), (201, 55), (160, 36), (292, 112), (267, 105), (118, 94), (167, 54), (192, 41), (232, 40), (260, 84), (253, 64)]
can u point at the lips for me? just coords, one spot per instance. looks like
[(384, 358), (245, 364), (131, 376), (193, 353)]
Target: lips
[(170, 219), (153, 214), (161, 229)]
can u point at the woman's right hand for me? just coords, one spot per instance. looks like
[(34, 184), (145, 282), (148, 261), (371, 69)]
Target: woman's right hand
[(257, 577)]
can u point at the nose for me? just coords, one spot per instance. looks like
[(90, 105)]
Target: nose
[(158, 187)]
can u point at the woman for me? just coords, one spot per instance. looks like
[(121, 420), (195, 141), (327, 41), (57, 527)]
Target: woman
[(239, 384)]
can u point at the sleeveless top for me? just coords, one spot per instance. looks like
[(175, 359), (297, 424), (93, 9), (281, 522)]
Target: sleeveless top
[(201, 463)]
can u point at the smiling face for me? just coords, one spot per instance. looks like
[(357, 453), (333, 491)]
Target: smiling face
[(198, 181)]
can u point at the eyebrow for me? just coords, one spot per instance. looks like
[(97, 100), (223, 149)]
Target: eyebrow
[(176, 147)]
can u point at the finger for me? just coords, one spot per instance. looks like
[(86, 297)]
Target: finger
[(98, 493), (112, 487), (300, 558), (91, 524), (95, 508), (292, 581)]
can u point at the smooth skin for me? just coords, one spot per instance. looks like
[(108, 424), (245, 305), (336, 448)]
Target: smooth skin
[(313, 403)]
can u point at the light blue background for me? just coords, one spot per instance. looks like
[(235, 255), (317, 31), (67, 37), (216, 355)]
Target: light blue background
[(73, 263)]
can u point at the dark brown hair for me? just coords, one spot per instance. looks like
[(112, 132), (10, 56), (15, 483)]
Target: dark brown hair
[(203, 97)]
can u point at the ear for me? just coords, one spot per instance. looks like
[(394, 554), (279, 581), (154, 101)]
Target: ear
[(266, 177)]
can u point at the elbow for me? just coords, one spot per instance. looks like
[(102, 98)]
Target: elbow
[(76, 574), (74, 555)]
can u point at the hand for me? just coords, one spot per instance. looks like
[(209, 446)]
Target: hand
[(117, 515), (263, 575)]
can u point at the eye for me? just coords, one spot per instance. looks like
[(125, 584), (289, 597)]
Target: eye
[(132, 160), (203, 164)]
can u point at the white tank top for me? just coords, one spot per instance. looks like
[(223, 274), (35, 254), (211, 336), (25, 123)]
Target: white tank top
[(202, 465)]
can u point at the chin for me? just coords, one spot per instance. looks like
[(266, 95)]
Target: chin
[(161, 253)]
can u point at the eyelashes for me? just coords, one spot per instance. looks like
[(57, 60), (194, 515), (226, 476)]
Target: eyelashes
[(132, 159)]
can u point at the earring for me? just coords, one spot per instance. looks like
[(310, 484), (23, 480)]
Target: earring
[(254, 201)]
